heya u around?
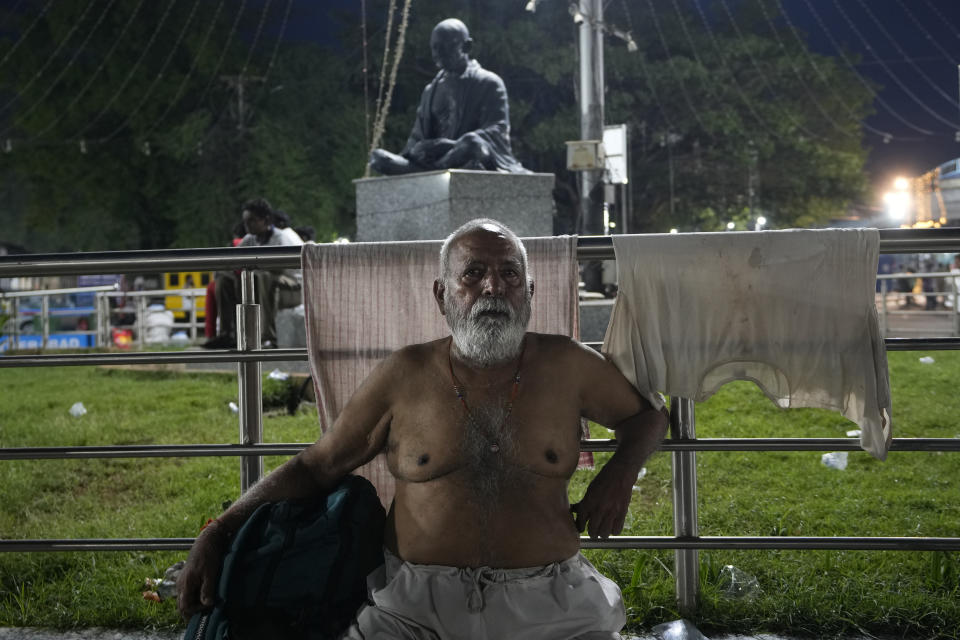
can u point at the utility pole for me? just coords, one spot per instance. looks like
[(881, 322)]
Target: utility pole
[(591, 127), (237, 83)]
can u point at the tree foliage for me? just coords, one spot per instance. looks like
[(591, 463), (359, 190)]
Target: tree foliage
[(127, 130)]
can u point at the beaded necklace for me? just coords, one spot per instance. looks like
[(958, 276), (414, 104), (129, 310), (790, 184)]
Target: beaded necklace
[(508, 407)]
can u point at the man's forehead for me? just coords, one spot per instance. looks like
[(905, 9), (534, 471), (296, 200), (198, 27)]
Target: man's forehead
[(486, 242)]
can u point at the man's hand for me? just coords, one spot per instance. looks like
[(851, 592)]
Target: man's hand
[(197, 584), (603, 509)]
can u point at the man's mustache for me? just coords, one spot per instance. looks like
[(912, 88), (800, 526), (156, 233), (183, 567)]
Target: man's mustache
[(491, 304)]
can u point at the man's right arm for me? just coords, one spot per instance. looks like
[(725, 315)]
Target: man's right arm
[(358, 434)]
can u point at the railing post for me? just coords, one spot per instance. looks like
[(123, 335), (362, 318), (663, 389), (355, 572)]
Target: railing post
[(141, 324), (686, 561), (193, 317), (883, 308), (16, 324), (248, 376), (45, 320)]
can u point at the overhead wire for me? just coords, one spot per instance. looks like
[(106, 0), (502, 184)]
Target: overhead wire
[(10, 12), (766, 82), (673, 71), (920, 72), (816, 68), (276, 49), (156, 79), (53, 56), (92, 30), (890, 72), (853, 68), (186, 78), (930, 38), (76, 98), (123, 85), (246, 65), (942, 18), (26, 33), (743, 97)]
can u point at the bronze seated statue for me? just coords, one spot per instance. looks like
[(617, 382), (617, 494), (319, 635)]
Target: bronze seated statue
[(463, 120)]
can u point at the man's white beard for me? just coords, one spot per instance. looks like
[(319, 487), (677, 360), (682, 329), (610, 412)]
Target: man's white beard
[(486, 339)]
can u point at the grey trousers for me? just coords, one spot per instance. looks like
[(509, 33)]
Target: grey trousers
[(560, 601)]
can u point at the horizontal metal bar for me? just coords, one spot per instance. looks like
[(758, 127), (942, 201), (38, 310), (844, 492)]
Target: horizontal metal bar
[(599, 444), (774, 542), (782, 444), (98, 544), (208, 259), (54, 292), (151, 451), (893, 344), (922, 344), (941, 240), (153, 357), (616, 542)]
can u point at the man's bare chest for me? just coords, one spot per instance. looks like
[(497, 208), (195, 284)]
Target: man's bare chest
[(435, 435)]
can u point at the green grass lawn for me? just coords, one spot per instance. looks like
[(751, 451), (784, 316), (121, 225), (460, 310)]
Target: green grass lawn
[(814, 593)]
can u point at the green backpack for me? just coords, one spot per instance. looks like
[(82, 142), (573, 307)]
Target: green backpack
[(298, 569)]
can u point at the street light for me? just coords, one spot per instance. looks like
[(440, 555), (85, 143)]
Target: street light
[(897, 202), (761, 221), (731, 226)]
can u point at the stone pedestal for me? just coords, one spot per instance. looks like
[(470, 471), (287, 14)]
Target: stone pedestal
[(431, 205)]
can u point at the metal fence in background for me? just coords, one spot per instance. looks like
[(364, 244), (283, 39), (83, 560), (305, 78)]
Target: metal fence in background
[(682, 444)]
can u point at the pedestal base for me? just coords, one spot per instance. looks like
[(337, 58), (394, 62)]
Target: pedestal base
[(431, 205)]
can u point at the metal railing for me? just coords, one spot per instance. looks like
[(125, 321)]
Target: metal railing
[(683, 443), (101, 312)]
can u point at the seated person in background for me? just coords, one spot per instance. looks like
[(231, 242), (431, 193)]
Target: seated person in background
[(210, 304), (261, 232), (463, 120), (481, 431)]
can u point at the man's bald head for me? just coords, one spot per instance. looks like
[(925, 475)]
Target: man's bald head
[(481, 225)]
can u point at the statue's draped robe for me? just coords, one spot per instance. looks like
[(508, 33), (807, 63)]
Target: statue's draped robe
[(481, 108)]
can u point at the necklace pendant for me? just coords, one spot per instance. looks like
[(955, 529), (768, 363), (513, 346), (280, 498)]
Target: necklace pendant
[(494, 447)]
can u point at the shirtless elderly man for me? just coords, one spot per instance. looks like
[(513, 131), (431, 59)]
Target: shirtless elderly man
[(481, 431)]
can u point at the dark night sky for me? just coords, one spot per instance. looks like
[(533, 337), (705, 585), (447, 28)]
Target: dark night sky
[(909, 49), (912, 52)]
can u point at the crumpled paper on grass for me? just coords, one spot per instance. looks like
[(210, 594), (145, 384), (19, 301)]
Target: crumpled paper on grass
[(678, 630)]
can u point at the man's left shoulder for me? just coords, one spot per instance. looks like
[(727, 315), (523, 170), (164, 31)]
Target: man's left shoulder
[(558, 345)]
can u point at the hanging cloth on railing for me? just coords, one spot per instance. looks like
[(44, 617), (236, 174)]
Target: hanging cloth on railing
[(365, 300), (793, 311)]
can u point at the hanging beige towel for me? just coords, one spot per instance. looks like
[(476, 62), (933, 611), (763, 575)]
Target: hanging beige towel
[(365, 300), (793, 311)]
